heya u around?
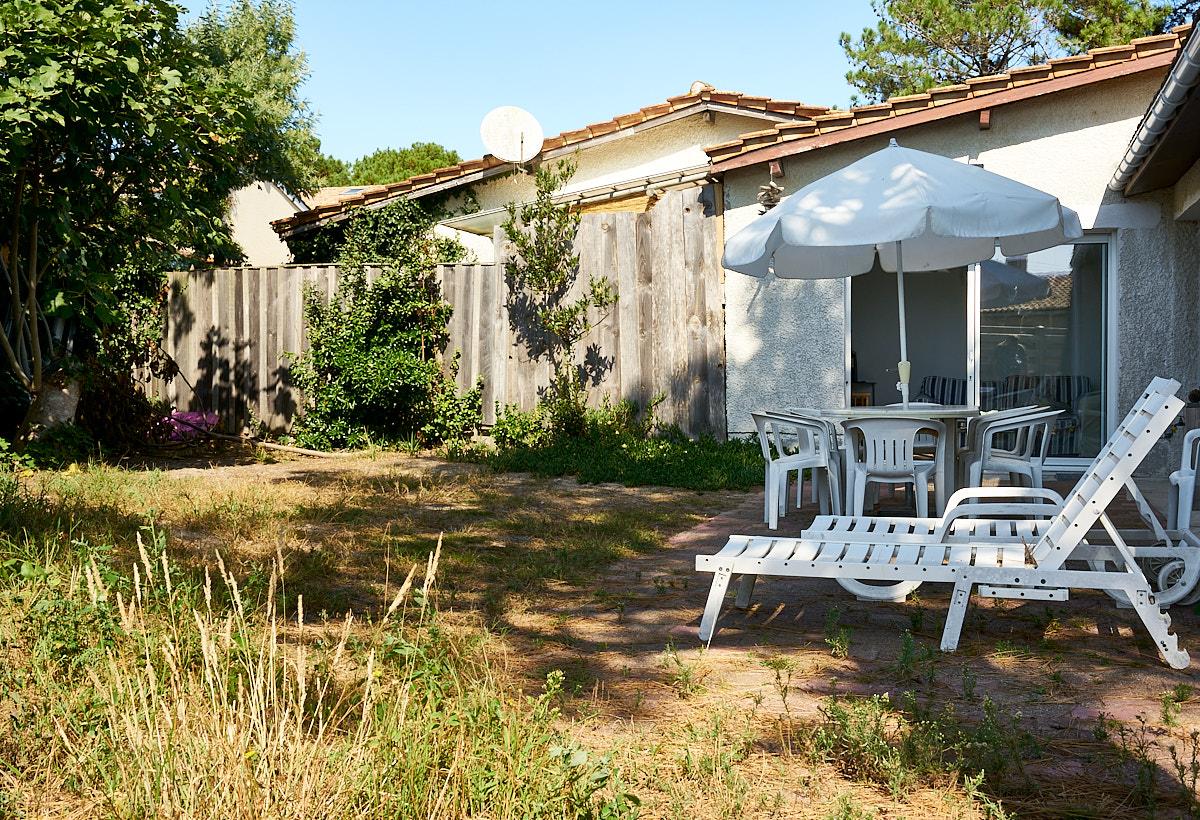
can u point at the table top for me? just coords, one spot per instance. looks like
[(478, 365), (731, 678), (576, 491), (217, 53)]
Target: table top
[(945, 411)]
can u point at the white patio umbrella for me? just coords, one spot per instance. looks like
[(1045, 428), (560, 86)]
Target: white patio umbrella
[(912, 210)]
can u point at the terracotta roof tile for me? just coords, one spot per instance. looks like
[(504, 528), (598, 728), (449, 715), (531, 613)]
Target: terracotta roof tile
[(702, 94), (829, 121), (601, 128)]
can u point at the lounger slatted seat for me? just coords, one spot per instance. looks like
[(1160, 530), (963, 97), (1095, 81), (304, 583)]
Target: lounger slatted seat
[(1011, 542)]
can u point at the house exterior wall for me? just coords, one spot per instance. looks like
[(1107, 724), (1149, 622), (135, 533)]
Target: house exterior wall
[(479, 248), (672, 146), (785, 339), (1187, 195), (251, 210)]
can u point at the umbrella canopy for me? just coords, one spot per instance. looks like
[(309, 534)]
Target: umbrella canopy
[(910, 209), (947, 214)]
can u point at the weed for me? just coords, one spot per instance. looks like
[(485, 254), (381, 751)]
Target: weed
[(968, 683), (1136, 747), (848, 809), (784, 669), (870, 739), (916, 616), (1187, 769), (837, 637), (686, 676), (1170, 709)]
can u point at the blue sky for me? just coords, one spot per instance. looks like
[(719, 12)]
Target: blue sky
[(391, 73)]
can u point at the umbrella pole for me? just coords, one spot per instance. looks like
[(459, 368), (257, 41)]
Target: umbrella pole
[(903, 367)]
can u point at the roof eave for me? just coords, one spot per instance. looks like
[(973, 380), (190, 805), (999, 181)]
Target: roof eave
[(923, 116), (1164, 145)]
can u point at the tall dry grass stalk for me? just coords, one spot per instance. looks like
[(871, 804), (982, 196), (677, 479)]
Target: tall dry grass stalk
[(223, 717)]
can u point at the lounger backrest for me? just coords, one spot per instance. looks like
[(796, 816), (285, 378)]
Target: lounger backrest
[(1150, 417)]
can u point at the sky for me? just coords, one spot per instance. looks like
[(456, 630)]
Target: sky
[(387, 74)]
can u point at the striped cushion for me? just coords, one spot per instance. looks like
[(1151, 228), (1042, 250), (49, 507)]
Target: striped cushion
[(1055, 391), (943, 390)]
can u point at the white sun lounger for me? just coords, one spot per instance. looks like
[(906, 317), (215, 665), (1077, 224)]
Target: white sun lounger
[(1010, 549)]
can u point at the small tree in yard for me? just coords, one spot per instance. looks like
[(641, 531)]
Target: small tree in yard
[(372, 371), (542, 274)]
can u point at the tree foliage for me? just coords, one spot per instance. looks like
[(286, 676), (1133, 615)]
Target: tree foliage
[(248, 47), (1084, 24), (390, 165), (372, 372), (919, 44), (549, 313), (125, 133)]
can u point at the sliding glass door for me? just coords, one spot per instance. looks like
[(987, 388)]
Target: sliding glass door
[(1008, 332), (1042, 340)]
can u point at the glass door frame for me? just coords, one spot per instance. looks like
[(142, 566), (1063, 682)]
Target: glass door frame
[(1108, 329)]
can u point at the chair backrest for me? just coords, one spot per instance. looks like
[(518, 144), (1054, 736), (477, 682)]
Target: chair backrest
[(888, 445), (1032, 431), (974, 422), (787, 434), (1191, 452), (1135, 436)]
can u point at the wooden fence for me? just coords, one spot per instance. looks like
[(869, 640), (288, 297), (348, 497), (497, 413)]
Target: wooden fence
[(231, 330)]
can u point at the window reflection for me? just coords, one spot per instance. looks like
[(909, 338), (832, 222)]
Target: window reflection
[(1041, 327)]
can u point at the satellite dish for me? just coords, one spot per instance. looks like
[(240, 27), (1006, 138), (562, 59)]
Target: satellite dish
[(511, 134)]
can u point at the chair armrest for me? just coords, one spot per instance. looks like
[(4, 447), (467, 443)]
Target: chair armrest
[(1002, 492)]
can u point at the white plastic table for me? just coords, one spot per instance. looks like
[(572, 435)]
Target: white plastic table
[(949, 414)]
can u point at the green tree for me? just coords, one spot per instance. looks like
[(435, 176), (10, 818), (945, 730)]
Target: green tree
[(331, 171), (114, 146), (398, 164), (248, 48), (125, 133), (1084, 24), (919, 44), (549, 313)]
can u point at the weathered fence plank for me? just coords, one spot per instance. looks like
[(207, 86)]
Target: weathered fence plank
[(231, 331)]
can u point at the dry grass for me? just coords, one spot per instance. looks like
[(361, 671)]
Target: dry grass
[(275, 648)]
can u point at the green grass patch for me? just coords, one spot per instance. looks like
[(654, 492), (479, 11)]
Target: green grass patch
[(637, 461)]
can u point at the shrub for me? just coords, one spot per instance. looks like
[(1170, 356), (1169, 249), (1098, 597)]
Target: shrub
[(372, 372), (60, 445)]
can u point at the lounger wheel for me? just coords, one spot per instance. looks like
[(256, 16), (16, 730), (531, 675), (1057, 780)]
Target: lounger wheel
[(878, 590), (1169, 578)]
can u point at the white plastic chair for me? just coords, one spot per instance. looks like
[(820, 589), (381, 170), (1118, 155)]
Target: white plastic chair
[(796, 443), (1183, 484), (973, 423), (1026, 457), (882, 451)]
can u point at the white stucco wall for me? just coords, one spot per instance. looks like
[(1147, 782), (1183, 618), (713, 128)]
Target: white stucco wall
[(479, 248), (251, 210), (784, 340)]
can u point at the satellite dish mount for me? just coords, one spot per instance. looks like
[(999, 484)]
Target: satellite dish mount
[(512, 134)]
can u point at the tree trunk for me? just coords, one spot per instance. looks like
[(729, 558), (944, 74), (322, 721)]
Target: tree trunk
[(54, 404)]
